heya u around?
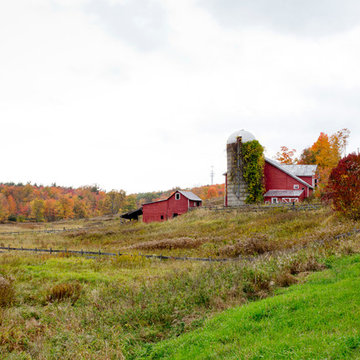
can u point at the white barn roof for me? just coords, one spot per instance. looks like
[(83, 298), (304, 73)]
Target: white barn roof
[(300, 170)]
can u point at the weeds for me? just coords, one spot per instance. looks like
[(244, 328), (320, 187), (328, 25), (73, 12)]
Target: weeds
[(170, 244), (7, 292), (64, 291)]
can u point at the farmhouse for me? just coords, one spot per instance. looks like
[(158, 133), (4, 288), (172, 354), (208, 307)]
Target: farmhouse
[(176, 204), (283, 183)]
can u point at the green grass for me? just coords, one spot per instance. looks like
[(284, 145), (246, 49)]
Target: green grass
[(316, 320), (126, 304)]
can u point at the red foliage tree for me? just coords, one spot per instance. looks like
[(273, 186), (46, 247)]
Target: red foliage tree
[(344, 186)]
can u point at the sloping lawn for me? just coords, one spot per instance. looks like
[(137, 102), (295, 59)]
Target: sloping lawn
[(316, 320)]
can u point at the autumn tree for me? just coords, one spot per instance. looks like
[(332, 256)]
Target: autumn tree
[(12, 205), (65, 207), (81, 210), (50, 210), (114, 201), (344, 186), (38, 209), (286, 156), (4, 208), (326, 153), (129, 203)]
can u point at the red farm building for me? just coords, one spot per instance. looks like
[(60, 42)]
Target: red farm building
[(176, 204), (288, 183), (283, 183)]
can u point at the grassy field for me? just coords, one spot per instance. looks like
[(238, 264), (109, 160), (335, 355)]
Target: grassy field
[(316, 320), (111, 308)]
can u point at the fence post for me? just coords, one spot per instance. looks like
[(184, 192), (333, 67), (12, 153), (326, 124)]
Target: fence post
[(50, 251)]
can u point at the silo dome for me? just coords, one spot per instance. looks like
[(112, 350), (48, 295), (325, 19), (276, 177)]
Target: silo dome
[(246, 136)]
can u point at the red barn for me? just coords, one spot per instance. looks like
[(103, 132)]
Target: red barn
[(288, 183), (285, 183), (178, 203)]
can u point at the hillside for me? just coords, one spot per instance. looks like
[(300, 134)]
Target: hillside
[(99, 307), (315, 320)]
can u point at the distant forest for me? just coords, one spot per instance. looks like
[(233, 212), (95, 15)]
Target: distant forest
[(19, 202)]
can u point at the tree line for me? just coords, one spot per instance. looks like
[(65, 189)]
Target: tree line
[(19, 202)]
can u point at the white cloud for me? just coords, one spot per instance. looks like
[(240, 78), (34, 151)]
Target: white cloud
[(79, 105)]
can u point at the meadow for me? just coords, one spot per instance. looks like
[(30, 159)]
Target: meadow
[(79, 307)]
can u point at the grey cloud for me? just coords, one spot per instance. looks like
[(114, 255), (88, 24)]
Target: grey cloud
[(141, 23), (302, 17)]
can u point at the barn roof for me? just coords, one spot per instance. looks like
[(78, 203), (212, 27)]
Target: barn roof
[(286, 171), (190, 195), (290, 193), (301, 170)]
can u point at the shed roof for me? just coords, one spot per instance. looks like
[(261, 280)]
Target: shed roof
[(280, 193), (134, 214), (190, 195)]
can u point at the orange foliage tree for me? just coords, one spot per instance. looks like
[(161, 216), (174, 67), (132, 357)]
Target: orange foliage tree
[(286, 156), (326, 153)]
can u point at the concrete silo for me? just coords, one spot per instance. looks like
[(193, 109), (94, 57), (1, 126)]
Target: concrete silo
[(236, 190)]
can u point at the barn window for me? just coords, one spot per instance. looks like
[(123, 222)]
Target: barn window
[(274, 200), (177, 196), (162, 217), (296, 187)]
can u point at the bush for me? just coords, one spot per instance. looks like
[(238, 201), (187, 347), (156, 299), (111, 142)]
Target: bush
[(255, 245), (344, 186), (7, 292), (64, 291)]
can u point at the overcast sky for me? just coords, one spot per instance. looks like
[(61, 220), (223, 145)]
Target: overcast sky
[(142, 95)]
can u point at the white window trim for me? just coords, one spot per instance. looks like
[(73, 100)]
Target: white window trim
[(177, 196), (296, 187), (274, 200)]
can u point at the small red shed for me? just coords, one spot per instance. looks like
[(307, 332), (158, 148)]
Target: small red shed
[(178, 203)]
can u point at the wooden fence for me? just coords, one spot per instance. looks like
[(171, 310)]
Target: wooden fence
[(50, 231), (267, 207)]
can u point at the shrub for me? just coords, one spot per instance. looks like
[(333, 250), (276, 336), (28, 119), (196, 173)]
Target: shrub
[(255, 245), (344, 186), (299, 265), (7, 292), (64, 291), (285, 279)]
